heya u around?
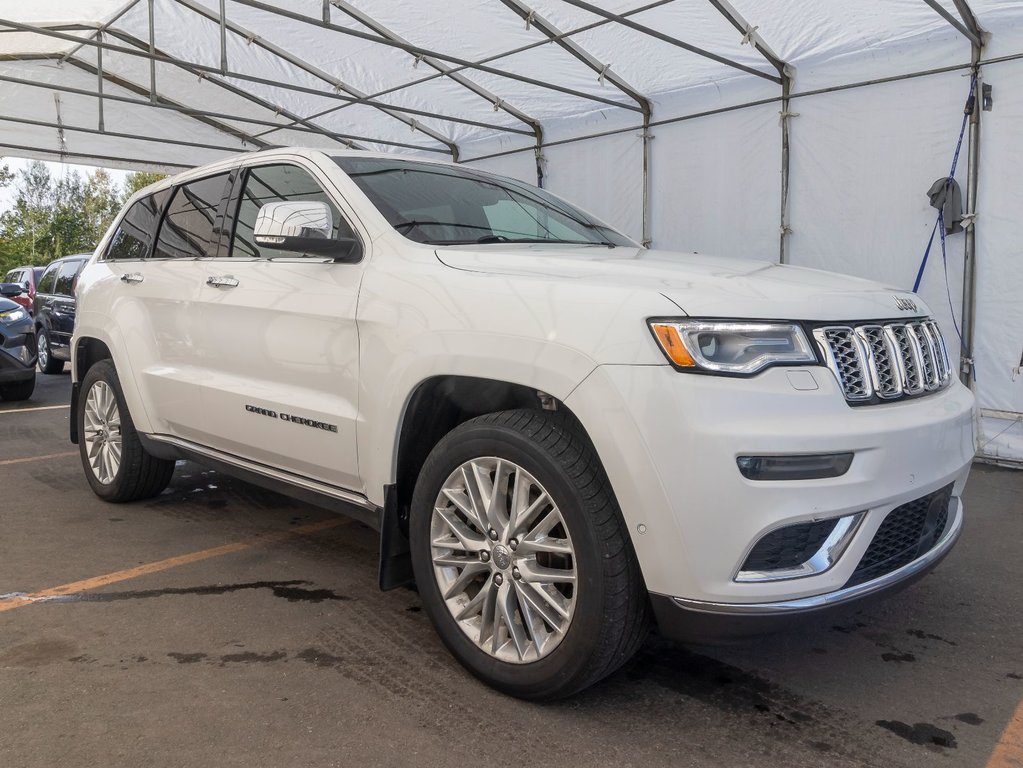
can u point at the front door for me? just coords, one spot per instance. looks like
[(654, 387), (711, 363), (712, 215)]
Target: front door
[(280, 347)]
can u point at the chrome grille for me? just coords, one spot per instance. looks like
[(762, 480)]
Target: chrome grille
[(886, 361)]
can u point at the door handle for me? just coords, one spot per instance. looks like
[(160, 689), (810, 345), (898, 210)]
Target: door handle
[(132, 277), (222, 281)]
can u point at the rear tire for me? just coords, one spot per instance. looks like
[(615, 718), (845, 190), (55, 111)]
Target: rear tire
[(539, 610), (47, 362), (18, 390), (116, 465)]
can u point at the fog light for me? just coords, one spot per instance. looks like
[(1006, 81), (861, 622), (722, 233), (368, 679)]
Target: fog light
[(798, 467)]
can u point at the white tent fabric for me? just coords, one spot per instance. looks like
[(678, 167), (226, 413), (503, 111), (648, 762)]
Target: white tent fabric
[(588, 93)]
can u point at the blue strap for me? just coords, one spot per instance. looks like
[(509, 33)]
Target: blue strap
[(927, 252), (970, 106)]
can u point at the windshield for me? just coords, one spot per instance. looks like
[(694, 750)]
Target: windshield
[(443, 205)]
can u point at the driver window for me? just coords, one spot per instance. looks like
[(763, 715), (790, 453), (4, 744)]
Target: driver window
[(277, 184)]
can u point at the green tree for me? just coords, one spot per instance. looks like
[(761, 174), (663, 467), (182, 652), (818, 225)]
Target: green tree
[(138, 180)]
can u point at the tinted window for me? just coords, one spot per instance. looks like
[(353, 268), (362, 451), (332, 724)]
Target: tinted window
[(37, 273), (188, 229), (46, 284), (444, 205), (277, 184), (135, 231), (14, 276), (66, 278)]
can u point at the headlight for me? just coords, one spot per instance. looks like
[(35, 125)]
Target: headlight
[(13, 316), (731, 347)]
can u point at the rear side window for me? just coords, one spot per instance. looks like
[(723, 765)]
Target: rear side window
[(135, 231), (277, 184), (188, 230), (46, 284), (14, 276), (66, 278)]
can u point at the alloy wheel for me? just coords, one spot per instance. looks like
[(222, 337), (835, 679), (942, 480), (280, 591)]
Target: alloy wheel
[(102, 432), (503, 560)]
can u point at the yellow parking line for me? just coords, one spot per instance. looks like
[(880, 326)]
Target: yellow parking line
[(8, 462), (7, 604), (30, 410), (1009, 749)]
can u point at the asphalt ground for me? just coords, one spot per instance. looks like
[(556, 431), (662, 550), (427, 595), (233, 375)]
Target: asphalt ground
[(222, 625)]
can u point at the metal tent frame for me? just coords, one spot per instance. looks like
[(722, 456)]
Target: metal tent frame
[(246, 119)]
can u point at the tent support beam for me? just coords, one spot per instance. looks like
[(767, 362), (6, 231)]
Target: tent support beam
[(140, 49), (966, 363), (243, 94), (415, 50), (749, 35), (494, 57), (102, 132), (152, 52), (658, 35), (970, 35), (497, 102), (200, 114), (316, 72), (62, 157), (603, 70)]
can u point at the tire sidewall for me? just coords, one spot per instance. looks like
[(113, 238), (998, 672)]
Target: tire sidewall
[(552, 675)]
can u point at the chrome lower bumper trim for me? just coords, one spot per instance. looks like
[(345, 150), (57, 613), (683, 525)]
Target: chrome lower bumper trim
[(830, 599)]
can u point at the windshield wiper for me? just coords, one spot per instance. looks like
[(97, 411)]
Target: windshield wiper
[(503, 239)]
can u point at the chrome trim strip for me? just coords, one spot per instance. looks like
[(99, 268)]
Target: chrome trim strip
[(315, 486), (840, 596), (822, 560)]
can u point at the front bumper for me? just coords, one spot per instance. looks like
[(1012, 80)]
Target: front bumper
[(17, 353), (697, 621), (669, 443)]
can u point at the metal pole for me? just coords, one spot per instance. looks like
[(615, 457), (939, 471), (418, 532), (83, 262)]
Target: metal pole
[(223, 36), (648, 237), (786, 101), (99, 79), (152, 53), (966, 367)]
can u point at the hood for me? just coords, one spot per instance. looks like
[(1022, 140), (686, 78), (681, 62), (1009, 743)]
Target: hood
[(700, 285)]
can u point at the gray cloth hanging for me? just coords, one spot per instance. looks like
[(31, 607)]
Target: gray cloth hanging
[(948, 198)]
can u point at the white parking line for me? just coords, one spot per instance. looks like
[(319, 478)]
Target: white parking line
[(30, 410)]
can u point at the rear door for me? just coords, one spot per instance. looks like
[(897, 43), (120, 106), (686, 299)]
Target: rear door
[(45, 296), (62, 306), (280, 346), (155, 270)]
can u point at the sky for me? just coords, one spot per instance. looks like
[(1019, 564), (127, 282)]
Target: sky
[(56, 169)]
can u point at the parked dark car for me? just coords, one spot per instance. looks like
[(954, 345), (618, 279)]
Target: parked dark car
[(55, 311), (28, 278), (17, 347)]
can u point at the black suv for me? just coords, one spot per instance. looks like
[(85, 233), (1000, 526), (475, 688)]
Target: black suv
[(54, 311), (17, 347)]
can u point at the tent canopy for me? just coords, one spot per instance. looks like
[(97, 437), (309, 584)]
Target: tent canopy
[(801, 132), (443, 78)]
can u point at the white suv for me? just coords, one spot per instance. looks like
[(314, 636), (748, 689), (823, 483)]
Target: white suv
[(558, 433)]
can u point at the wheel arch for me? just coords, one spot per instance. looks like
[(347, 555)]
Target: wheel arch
[(436, 406)]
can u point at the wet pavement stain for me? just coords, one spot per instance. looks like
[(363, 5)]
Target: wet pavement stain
[(292, 591), (898, 657), (921, 635), (848, 628), (250, 657), (970, 718), (1014, 676), (187, 658), (37, 654), (921, 733), (319, 658)]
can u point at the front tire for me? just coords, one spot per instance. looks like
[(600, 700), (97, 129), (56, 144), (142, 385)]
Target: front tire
[(521, 557), (47, 362), (18, 390), (116, 465)]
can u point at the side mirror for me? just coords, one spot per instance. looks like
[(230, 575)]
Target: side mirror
[(10, 290), (302, 226)]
